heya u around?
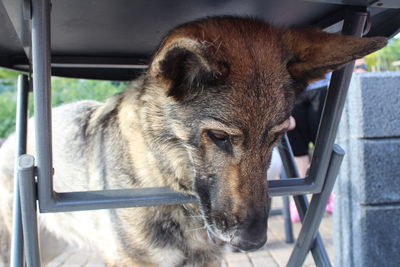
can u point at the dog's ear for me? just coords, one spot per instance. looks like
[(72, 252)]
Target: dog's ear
[(185, 67), (313, 53)]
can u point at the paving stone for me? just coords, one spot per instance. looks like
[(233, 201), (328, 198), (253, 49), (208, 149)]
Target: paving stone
[(238, 259), (224, 263), (262, 259)]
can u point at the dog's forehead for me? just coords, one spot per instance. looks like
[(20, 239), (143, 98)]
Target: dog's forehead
[(241, 42), (259, 111), (251, 110), (257, 87)]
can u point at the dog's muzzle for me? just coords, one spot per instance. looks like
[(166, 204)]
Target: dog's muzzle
[(245, 244), (251, 237)]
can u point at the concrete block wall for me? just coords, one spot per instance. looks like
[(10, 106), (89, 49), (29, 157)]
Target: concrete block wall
[(367, 192)]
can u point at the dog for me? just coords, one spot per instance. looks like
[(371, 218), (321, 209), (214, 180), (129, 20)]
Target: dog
[(202, 120)]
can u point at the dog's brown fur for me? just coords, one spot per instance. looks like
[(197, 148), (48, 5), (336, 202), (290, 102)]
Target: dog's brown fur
[(202, 120)]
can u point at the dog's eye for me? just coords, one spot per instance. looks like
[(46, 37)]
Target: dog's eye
[(221, 139)]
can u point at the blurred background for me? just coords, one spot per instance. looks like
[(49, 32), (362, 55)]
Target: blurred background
[(64, 90)]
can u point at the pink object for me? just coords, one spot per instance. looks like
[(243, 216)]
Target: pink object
[(294, 214), (329, 205)]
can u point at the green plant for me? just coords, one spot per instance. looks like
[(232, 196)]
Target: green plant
[(70, 90), (7, 113), (63, 91), (8, 74), (382, 60)]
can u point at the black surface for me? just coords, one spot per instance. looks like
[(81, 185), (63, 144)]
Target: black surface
[(124, 32)]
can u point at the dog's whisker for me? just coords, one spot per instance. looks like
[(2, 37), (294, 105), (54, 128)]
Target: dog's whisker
[(195, 216), (196, 229)]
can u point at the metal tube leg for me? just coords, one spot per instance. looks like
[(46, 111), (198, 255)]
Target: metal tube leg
[(353, 24), (27, 186), (333, 107), (41, 91), (286, 215), (286, 153), (316, 211), (288, 223), (318, 250), (17, 253)]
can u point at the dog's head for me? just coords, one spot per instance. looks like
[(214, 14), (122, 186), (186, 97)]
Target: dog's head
[(232, 83)]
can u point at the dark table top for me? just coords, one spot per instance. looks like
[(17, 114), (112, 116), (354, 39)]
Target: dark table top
[(114, 39)]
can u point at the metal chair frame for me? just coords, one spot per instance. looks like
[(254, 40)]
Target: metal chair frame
[(29, 191)]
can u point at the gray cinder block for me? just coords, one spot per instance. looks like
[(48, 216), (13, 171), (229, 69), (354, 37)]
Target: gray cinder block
[(370, 171), (373, 104), (367, 237), (367, 201)]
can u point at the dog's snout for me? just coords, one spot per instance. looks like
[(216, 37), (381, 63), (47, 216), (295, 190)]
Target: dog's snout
[(248, 243), (251, 235)]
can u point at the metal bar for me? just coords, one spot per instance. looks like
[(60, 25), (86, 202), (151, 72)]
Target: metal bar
[(90, 66), (315, 211), (354, 22), (286, 153), (42, 97), (289, 186), (289, 238), (123, 198), (353, 25), (99, 66), (318, 250), (275, 212), (27, 186), (17, 253), (111, 199)]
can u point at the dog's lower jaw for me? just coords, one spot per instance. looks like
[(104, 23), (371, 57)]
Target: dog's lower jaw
[(246, 245), (214, 234)]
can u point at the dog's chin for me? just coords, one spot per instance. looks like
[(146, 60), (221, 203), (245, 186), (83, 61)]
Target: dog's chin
[(235, 240), (246, 245), (214, 233)]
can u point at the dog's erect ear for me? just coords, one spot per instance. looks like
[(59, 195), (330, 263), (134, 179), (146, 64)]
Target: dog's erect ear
[(313, 53), (186, 67)]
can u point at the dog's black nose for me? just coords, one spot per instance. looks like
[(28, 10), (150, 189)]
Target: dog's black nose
[(246, 244), (252, 234)]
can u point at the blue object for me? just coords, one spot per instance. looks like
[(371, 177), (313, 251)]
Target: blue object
[(321, 83)]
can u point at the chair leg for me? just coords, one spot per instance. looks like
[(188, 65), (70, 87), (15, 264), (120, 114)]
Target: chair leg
[(288, 222), (289, 238), (17, 253), (315, 212), (318, 250), (28, 192)]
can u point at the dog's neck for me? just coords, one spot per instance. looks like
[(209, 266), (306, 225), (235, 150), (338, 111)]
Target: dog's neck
[(145, 113)]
